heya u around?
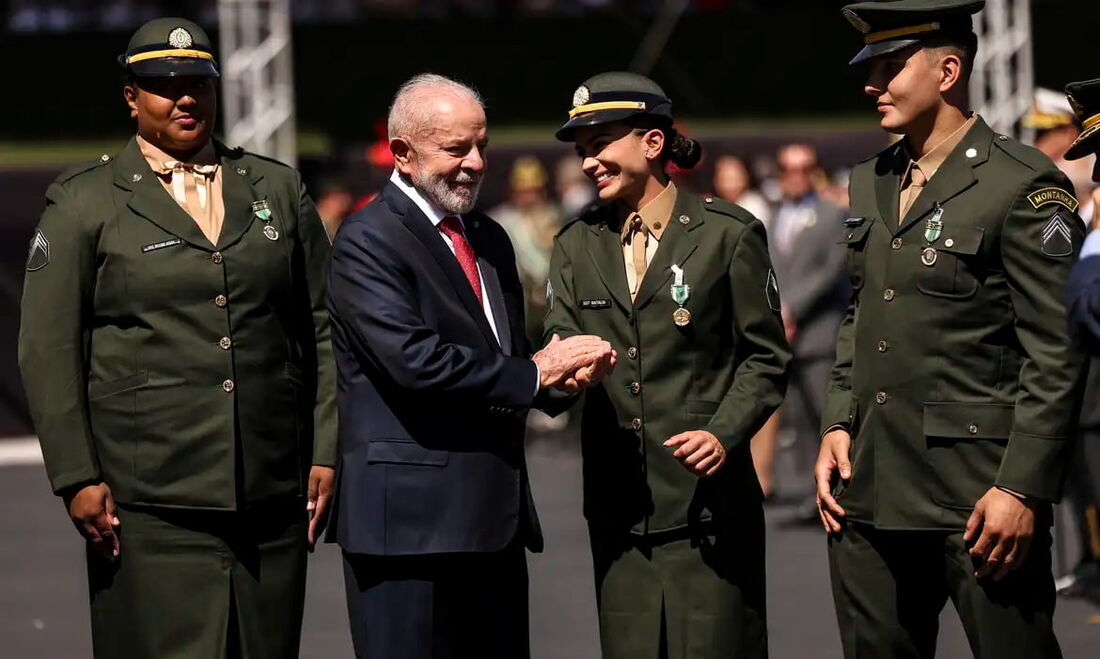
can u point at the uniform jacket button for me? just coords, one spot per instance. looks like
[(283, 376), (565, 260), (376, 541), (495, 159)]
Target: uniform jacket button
[(888, 294), (225, 343), (632, 352), (636, 424), (216, 257), (896, 243), (881, 398), (635, 388), (883, 346), (228, 386), (221, 301), (973, 429)]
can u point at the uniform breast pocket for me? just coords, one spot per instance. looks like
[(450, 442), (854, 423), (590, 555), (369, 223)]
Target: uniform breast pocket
[(953, 270), (855, 239)]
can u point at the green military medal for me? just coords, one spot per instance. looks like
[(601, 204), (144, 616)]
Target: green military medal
[(680, 293), (262, 210), (932, 230)]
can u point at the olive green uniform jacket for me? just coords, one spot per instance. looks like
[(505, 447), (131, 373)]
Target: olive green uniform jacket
[(181, 373), (957, 376), (725, 372)]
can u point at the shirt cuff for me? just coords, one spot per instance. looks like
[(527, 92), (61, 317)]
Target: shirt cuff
[(538, 377), (1092, 244)]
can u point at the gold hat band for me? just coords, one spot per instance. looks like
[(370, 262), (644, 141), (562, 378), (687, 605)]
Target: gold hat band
[(178, 52), (606, 105), (1094, 120), (875, 37)]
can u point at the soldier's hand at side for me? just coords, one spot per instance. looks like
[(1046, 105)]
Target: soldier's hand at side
[(92, 510), (318, 495), (1004, 525), (561, 358), (699, 451), (831, 459)]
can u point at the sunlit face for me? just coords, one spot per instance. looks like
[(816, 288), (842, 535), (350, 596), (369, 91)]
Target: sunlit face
[(446, 160), (906, 85), (175, 114), (615, 158)]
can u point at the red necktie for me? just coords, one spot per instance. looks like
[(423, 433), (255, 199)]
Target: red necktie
[(452, 227)]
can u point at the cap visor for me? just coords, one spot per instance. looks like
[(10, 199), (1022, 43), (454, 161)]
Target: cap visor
[(882, 48), (1086, 143), (565, 133), (167, 67)]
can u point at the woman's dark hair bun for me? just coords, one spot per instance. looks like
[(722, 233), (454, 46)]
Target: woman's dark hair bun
[(683, 151)]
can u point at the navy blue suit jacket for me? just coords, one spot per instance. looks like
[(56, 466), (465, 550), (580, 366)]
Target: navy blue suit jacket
[(1083, 304), (432, 408)]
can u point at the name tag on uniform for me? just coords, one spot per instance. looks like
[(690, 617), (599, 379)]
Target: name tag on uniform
[(596, 304), (161, 245)]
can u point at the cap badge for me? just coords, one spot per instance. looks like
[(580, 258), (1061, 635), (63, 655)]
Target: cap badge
[(581, 96), (857, 22), (180, 38), (1078, 109)]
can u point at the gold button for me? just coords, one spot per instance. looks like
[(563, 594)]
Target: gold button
[(636, 424), (888, 294), (883, 346), (896, 243), (225, 343), (216, 257), (632, 352), (221, 301), (881, 398), (656, 225), (227, 386), (635, 388), (973, 429)]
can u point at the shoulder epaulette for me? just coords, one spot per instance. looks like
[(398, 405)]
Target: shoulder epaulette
[(1028, 156), (729, 209), (83, 167)]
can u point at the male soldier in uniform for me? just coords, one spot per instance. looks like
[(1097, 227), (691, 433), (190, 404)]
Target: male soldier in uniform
[(1083, 299), (956, 387)]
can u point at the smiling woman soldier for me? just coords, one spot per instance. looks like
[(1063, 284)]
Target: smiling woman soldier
[(175, 352), (682, 287)]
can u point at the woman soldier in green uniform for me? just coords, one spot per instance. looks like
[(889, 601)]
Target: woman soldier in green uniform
[(682, 287), (175, 352)]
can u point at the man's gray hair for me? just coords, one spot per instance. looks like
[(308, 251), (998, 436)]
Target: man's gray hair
[(410, 115)]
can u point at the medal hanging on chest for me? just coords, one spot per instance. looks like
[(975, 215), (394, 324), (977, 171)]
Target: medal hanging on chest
[(262, 210), (933, 228), (680, 294)]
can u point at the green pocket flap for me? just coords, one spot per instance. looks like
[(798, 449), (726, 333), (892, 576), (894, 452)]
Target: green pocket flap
[(968, 420)]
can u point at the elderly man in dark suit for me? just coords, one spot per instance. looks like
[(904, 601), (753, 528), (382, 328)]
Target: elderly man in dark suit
[(811, 267), (433, 509)]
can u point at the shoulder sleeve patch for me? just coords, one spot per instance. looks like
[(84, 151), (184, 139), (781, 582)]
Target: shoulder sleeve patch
[(1045, 196), (38, 256)]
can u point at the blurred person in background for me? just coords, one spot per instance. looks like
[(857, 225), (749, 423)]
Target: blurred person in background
[(176, 357), (334, 202), (1083, 484), (682, 287), (950, 410), (811, 267), (733, 182), (575, 192)]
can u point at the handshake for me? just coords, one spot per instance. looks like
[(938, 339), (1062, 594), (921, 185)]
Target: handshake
[(574, 364)]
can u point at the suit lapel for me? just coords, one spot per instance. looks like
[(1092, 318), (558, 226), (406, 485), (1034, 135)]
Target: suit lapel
[(150, 200), (428, 235), (954, 175), (606, 251), (496, 302), (239, 190), (675, 247)]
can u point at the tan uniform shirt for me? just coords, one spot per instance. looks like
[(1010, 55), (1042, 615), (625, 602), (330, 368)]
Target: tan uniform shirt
[(919, 172), (641, 232), (195, 185)]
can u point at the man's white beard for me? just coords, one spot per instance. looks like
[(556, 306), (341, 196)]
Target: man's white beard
[(453, 200)]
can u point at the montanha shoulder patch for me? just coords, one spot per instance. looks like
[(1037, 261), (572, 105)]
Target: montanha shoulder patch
[(1058, 196)]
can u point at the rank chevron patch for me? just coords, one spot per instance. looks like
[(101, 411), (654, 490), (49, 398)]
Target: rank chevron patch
[(1057, 237)]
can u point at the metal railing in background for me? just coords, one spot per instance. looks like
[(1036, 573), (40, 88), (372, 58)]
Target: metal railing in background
[(1002, 84), (258, 77)]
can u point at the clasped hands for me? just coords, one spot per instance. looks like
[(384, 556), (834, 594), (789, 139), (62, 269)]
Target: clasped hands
[(575, 363)]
